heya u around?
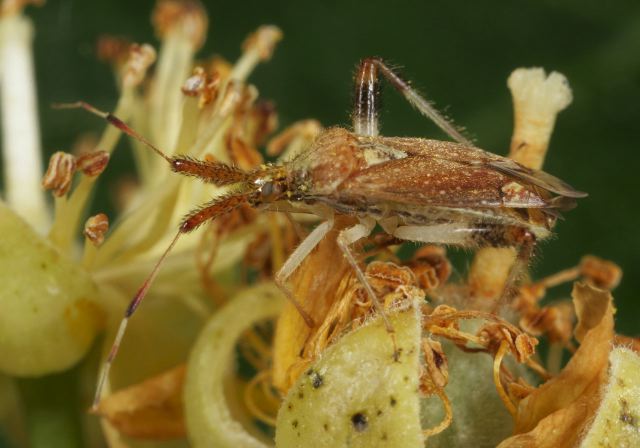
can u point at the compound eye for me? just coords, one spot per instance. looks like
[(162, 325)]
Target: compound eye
[(271, 190), (267, 189)]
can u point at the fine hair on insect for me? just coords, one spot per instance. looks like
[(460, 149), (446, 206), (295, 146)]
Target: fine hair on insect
[(416, 189)]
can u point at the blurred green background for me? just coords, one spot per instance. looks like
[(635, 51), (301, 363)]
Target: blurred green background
[(459, 53)]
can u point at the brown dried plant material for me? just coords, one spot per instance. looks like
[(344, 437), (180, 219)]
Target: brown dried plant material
[(602, 273), (253, 122), (351, 307), (205, 86), (431, 267), (189, 15), (306, 130), (96, 227), (59, 174), (92, 164), (262, 122), (554, 321), (148, 410), (314, 285), (113, 50), (590, 307), (242, 153), (384, 280), (135, 69), (556, 413), (437, 368)]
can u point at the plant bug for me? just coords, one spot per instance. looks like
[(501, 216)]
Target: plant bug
[(417, 189)]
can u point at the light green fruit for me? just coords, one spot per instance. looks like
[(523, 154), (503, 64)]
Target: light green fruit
[(617, 422), (49, 311), (358, 394)]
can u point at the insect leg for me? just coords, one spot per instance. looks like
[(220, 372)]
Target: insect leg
[(416, 100), (450, 233), (296, 258), (525, 245), (193, 220), (346, 238), (479, 235), (366, 100)]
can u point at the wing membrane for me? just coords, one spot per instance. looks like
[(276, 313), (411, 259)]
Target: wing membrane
[(452, 175)]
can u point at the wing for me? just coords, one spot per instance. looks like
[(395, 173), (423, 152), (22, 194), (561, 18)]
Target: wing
[(431, 172), (455, 152)]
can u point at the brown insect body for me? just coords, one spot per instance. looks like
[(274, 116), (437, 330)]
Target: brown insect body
[(425, 182), (417, 189)]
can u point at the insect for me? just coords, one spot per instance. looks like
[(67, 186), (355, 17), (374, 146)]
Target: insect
[(416, 189)]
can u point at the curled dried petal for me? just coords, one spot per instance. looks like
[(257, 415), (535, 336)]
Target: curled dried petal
[(437, 366), (431, 266), (554, 413), (590, 304), (59, 174), (556, 321), (525, 346), (96, 227), (152, 409), (386, 277), (93, 163)]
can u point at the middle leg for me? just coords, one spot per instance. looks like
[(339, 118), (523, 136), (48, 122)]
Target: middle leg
[(296, 258), (345, 239)]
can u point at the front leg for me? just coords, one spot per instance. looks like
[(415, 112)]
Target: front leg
[(294, 261)]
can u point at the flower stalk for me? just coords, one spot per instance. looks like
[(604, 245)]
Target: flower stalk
[(22, 154)]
